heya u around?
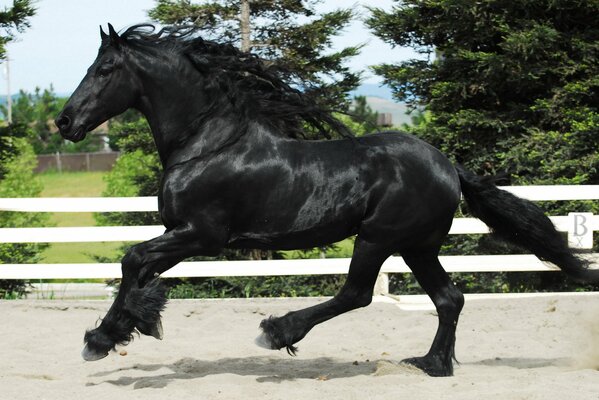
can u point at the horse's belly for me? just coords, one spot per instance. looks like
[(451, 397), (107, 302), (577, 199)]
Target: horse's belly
[(295, 239)]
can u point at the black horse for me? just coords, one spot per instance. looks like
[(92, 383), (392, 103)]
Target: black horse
[(237, 174)]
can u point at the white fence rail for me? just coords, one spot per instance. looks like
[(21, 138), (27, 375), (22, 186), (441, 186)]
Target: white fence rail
[(586, 224), (580, 228)]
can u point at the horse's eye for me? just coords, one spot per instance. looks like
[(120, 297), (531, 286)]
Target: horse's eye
[(105, 70)]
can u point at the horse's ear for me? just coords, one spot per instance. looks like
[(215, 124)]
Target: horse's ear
[(115, 39), (103, 36)]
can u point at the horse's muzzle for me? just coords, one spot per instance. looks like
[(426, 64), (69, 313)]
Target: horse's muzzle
[(64, 123)]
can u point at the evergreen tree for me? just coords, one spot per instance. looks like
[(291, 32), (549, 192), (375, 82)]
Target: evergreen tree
[(14, 19), (17, 162), (271, 29), (11, 19), (514, 85)]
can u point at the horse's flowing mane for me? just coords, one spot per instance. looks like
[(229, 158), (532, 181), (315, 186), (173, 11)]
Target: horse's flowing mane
[(254, 86)]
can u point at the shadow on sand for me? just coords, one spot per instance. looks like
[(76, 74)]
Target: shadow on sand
[(265, 369), (524, 363)]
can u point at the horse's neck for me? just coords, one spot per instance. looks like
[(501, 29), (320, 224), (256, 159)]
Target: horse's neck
[(179, 138), (186, 123), (172, 116), (221, 134)]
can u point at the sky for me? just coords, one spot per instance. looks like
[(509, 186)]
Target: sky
[(64, 38)]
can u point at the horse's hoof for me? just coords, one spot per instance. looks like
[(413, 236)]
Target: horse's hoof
[(263, 340), (89, 355), (272, 337), (432, 366), (157, 331)]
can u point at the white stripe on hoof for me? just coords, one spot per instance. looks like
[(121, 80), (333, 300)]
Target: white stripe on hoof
[(157, 331), (263, 341), (89, 355)]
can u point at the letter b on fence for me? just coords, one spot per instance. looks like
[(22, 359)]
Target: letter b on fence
[(580, 230)]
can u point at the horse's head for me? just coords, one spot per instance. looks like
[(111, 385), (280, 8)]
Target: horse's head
[(109, 88)]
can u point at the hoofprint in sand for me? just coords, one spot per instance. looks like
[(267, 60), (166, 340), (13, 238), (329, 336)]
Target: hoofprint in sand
[(523, 348)]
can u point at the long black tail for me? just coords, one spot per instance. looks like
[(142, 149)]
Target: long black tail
[(522, 223)]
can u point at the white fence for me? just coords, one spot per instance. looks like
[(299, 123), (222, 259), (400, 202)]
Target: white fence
[(580, 228)]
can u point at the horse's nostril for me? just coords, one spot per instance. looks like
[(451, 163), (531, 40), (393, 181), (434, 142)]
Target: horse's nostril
[(63, 122)]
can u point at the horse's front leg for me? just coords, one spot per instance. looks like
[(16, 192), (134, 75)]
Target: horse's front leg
[(141, 298)]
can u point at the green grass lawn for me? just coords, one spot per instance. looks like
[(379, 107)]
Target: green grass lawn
[(341, 249), (75, 184)]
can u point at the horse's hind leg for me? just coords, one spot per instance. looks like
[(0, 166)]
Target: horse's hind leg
[(279, 332), (448, 301)]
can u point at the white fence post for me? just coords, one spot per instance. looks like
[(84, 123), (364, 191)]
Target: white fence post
[(58, 162), (381, 286), (580, 230)]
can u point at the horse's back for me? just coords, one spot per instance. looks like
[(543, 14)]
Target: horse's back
[(410, 153)]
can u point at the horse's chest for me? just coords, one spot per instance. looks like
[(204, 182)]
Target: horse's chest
[(188, 192)]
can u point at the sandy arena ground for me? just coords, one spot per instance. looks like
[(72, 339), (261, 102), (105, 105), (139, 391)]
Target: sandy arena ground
[(527, 348)]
